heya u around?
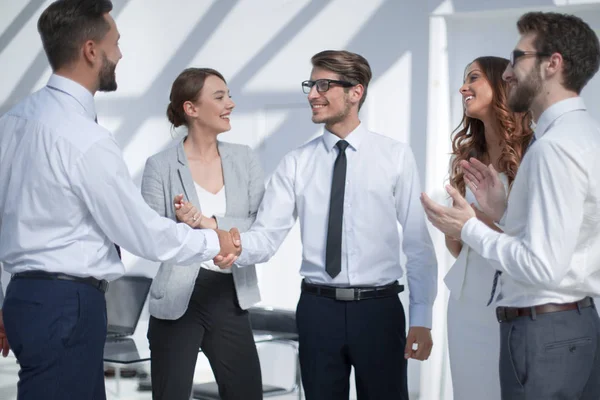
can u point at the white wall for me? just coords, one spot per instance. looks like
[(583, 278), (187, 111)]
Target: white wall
[(417, 51)]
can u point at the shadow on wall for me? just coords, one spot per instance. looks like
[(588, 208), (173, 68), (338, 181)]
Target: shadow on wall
[(395, 28)]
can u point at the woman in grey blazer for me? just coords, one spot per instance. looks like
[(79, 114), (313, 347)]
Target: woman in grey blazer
[(203, 306)]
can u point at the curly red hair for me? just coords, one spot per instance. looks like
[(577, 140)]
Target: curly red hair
[(513, 128)]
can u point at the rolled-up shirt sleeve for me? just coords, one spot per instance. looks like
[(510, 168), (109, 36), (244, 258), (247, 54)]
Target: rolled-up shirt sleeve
[(101, 180)]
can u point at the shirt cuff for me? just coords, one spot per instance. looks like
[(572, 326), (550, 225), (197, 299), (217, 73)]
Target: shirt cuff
[(242, 260), (213, 247), (420, 315), (473, 234), (502, 221)]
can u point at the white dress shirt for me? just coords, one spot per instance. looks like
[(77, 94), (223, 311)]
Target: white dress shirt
[(66, 194), (382, 190), (213, 205), (550, 249)]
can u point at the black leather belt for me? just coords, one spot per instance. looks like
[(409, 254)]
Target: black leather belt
[(353, 293), (99, 284), (506, 314)]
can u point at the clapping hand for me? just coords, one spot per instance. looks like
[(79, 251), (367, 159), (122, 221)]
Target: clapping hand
[(484, 181), (449, 220)]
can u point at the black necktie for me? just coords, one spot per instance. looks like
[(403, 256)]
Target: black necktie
[(116, 245), (333, 252), (498, 273)]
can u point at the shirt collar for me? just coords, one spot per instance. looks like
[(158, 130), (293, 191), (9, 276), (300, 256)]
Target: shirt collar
[(75, 90), (556, 110), (354, 138)]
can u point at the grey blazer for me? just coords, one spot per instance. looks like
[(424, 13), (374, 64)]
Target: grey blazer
[(166, 175)]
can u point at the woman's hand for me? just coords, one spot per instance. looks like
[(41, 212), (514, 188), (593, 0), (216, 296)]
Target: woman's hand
[(187, 213)]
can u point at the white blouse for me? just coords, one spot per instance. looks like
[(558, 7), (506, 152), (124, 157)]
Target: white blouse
[(212, 204)]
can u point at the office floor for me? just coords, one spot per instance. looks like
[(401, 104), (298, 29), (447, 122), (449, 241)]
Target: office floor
[(128, 386)]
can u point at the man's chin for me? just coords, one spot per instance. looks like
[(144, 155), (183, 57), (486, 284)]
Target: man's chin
[(108, 88), (318, 120)]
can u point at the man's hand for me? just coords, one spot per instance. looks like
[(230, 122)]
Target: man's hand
[(187, 213), (484, 181), (449, 220), (231, 248), (422, 337), (4, 347)]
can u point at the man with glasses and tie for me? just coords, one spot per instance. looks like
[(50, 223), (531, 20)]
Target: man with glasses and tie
[(548, 258), (350, 189)]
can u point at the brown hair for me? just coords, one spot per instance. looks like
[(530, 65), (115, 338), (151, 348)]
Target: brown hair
[(350, 67), (514, 129), (187, 87), (571, 37), (66, 25)]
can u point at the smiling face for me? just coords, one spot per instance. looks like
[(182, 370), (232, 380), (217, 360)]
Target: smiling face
[(476, 92), (330, 107), (212, 109), (524, 78)]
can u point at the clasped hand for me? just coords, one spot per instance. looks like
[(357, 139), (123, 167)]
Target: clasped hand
[(230, 242)]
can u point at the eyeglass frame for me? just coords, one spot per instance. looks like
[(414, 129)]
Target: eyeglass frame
[(516, 54), (309, 84)]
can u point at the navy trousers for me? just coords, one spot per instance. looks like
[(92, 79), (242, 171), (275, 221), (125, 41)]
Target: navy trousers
[(367, 334), (57, 331)]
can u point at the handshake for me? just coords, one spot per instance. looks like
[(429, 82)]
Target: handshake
[(230, 242)]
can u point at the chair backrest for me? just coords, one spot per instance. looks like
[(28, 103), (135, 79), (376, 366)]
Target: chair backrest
[(273, 320), (125, 300)]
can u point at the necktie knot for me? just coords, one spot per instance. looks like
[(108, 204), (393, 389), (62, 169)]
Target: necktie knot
[(342, 145)]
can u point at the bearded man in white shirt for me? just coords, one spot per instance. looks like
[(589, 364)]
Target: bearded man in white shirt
[(350, 188), (66, 197), (548, 258)]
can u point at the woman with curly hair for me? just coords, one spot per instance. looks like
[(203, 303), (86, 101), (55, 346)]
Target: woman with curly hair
[(493, 134)]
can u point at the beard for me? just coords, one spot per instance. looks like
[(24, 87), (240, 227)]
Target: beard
[(107, 77), (524, 92), (334, 119)]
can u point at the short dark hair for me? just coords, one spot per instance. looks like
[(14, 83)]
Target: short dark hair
[(67, 24), (350, 67), (187, 87), (571, 37)]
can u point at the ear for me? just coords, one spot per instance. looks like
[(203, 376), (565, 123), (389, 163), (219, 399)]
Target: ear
[(357, 92), (190, 109), (555, 64), (91, 53)]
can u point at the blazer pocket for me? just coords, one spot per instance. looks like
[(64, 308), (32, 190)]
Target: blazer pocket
[(160, 281)]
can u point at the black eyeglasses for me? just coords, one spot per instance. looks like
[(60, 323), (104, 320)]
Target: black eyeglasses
[(323, 85), (516, 54)]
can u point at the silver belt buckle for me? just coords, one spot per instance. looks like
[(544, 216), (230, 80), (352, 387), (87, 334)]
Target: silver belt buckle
[(344, 294)]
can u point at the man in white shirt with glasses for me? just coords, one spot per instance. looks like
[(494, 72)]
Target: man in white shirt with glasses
[(548, 258)]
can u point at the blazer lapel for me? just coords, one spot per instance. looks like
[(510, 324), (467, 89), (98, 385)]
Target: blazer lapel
[(228, 175), (189, 190)]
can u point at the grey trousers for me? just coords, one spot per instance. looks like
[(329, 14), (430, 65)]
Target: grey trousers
[(554, 356)]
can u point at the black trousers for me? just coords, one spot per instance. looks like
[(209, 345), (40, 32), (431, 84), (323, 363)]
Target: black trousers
[(555, 356), (57, 331), (215, 323), (367, 334)]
